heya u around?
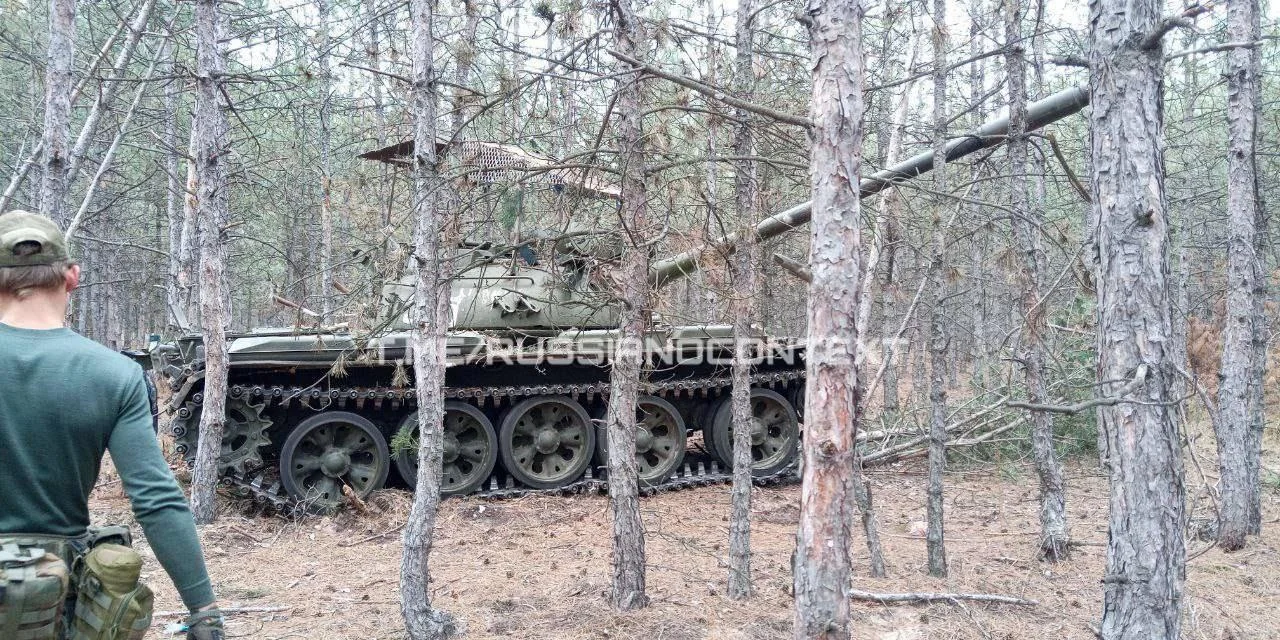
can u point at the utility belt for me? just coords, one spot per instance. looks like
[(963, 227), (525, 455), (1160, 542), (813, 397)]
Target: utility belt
[(73, 588)]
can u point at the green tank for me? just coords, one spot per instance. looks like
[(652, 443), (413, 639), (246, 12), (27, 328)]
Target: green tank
[(314, 416)]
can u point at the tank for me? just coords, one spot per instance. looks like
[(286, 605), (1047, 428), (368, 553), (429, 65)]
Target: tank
[(317, 417)]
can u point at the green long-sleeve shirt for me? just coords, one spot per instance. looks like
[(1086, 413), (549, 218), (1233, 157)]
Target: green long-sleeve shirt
[(65, 401)]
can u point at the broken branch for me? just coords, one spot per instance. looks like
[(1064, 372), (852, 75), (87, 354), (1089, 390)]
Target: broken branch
[(793, 267), (897, 598), (1138, 379), (293, 305)]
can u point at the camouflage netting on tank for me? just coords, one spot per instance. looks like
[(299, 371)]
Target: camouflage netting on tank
[(508, 164)]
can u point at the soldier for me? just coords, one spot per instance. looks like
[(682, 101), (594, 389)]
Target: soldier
[(64, 402)]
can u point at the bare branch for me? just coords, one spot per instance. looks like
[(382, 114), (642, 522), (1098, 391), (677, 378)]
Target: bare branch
[(920, 598), (1172, 22), (714, 93), (1138, 378), (793, 267), (1071, 175)]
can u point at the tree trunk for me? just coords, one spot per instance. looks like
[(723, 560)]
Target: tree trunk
[(823, 567), (744, 263), (57, 109), (176, 309), (1146, 554), (108, 90), (188, 283), (430, 314), (1026, 223), (24, 167), (373, 49), (1238, 448), (891, 211), (326, 163), (628, 587), (209, 143), (938, 337), (979, 310)]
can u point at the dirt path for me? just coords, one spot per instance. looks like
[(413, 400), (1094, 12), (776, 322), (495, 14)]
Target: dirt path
[(539, 568)]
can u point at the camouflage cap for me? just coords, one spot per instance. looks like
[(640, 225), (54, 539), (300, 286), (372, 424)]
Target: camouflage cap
[(20, 227)]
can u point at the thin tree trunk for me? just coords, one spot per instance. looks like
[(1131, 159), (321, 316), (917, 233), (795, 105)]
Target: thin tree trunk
[(107, 93), (57, 109), (34, 157), (628, 587), (980, 316), (886, 215), (421, 620), (380, 133), (326, 163), (1026, 223), (1237, 446), (188, 283), (210, 142), (823, 567), (108, 157), (1146, 553), (743, 266), (938, 338), (175, 308)]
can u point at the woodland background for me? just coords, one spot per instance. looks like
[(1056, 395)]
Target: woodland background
[(305, 99), (314, 230)]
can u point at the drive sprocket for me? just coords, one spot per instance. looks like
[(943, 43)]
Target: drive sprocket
[(243, 438)]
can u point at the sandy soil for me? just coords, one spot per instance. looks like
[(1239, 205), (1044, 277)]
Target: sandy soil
[(539, 567)]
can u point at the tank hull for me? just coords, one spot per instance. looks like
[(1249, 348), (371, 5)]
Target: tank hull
[(280, 381)]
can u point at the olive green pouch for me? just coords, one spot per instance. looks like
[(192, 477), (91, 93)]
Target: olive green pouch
[(33, 587), (111, 602)]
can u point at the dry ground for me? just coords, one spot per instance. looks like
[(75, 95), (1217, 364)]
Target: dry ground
[(538, 567)]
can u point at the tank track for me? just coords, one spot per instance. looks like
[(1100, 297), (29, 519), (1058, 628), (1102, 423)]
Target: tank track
[(268, 493)]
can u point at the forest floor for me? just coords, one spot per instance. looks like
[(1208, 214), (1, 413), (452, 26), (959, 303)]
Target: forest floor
[(538, 567)]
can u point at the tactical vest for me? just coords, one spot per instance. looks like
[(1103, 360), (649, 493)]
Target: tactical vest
[(84, 588)]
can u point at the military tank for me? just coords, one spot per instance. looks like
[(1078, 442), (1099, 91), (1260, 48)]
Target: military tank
[(314, 415)]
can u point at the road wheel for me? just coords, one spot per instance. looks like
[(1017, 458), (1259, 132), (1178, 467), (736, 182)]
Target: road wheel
[(546, 441), (331, 450), (470, 449), (775, 432)]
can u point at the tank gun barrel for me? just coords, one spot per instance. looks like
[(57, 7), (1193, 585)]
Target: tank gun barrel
[(1039, 114)]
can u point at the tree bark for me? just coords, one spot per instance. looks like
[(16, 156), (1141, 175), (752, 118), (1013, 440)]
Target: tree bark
[(429, 339), (37, 152), (57, 110), (1146, 554), (175, 308), (744, 263), (823, 567), (1238, 448), (188, 282), (210, 146), (935, 536), (326, 162), (628, 586), (1026, 223)]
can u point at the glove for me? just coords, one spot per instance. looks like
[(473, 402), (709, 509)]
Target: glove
[(205, 625)]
